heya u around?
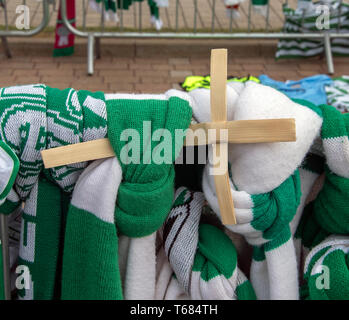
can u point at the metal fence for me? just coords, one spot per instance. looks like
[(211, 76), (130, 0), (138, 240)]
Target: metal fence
[(182, 19), (7, 20)]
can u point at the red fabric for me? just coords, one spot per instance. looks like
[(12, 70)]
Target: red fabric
[(235, 7)]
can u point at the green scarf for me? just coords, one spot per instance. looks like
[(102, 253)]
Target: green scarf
[(146, 193), (329, 212), (326, 271)]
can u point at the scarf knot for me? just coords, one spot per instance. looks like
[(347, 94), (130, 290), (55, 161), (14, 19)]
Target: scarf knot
[(273, 212), (142, 132), (202, 256)]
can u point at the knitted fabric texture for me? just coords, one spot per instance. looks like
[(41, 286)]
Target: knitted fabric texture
[(300, 21), (90, 256), (326, 270), (138, 262), (203, 258), (36, 117), (266, 187), (146, 192), (264, 220)]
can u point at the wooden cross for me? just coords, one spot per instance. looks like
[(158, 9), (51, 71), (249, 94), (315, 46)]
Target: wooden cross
[(242, 131)]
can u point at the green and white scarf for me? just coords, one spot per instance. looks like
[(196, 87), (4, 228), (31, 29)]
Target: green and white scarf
[(296, 23), (90, 257), (202, 256), (36, 117), (326, 270), (338, 93), (266, 187), (328, 213)]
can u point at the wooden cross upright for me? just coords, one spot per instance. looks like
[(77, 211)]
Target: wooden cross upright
[(242, 131)]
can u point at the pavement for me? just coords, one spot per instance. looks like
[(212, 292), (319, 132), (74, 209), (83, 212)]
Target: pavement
[(148, 66)]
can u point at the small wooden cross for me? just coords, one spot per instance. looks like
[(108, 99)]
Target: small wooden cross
[(242, 131)]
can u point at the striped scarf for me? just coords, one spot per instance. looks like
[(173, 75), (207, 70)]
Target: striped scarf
[(266, 186), (36, 117), (338, 93), (202, 256), (326, 270)]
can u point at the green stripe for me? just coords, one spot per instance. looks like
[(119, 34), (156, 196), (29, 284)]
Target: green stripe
[(216, 254), (90, 258)]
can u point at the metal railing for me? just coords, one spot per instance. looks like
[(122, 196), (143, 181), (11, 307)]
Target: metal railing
[(217, 30), (8, 29)]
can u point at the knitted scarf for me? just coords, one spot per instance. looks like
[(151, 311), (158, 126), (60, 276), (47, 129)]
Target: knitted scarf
[(338, 93), (90, 257), (266, 187), (147, 188), (9, 169), (305, 19), (326, 271), (167, 284), (64, 39), (328, 213), (111, 7), (36, 117), (203, 258), (138, 260)]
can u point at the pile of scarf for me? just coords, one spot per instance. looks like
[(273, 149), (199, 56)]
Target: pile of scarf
[(202, 256), (327, 213), (326, 272), (308, 18), (270, 184), (69, 245)]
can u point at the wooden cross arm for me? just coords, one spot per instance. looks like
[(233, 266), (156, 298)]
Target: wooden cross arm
[(242, 131)]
